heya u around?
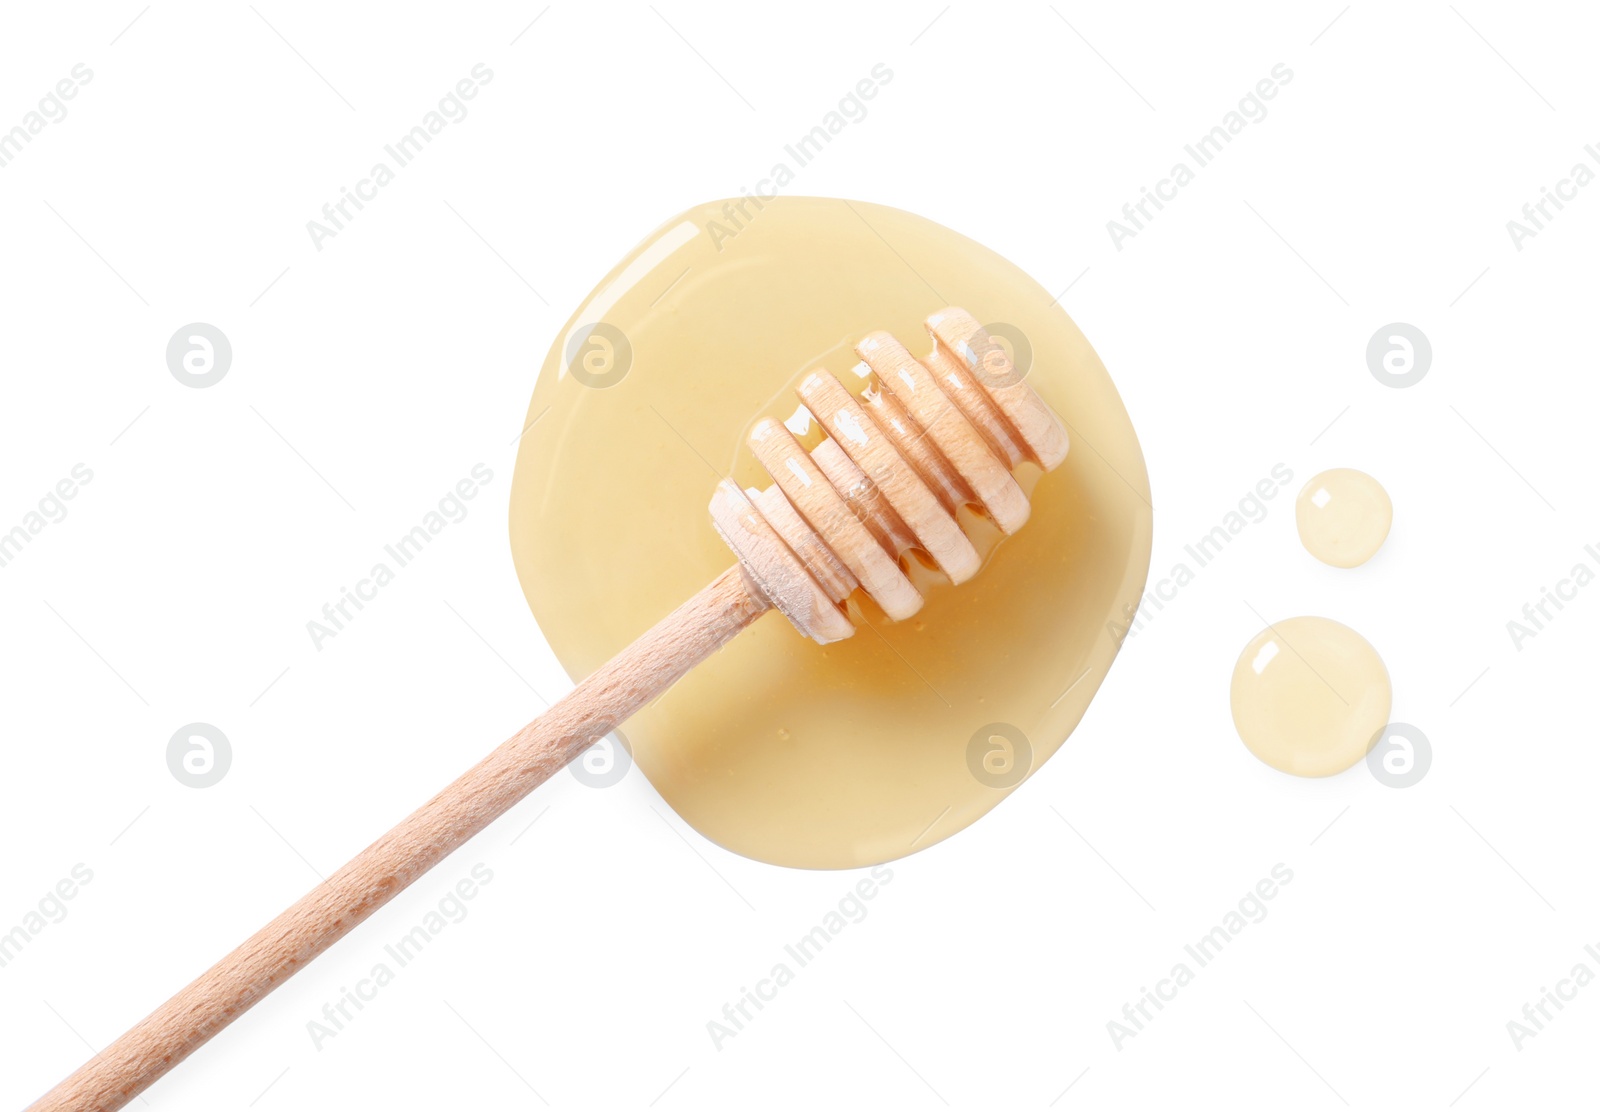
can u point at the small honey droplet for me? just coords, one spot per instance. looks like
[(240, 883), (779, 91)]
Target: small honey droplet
[(1343, 516)]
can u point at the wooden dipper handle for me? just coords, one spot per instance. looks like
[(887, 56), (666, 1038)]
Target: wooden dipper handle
[(424, 838), (935, 434)]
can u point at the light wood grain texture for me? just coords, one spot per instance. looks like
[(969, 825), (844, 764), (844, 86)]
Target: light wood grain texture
[(934, 528), (782, 578), (829, 514), (936, 429), (980, 359), (430, 833), (820, 560)]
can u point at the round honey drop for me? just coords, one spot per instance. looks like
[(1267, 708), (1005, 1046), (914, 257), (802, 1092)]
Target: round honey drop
[(1309, 696), (1343, 516)]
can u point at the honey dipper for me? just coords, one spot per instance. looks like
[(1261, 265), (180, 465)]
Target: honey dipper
[(934, 434)]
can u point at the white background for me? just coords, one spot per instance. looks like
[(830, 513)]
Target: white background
[(369, 377)]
